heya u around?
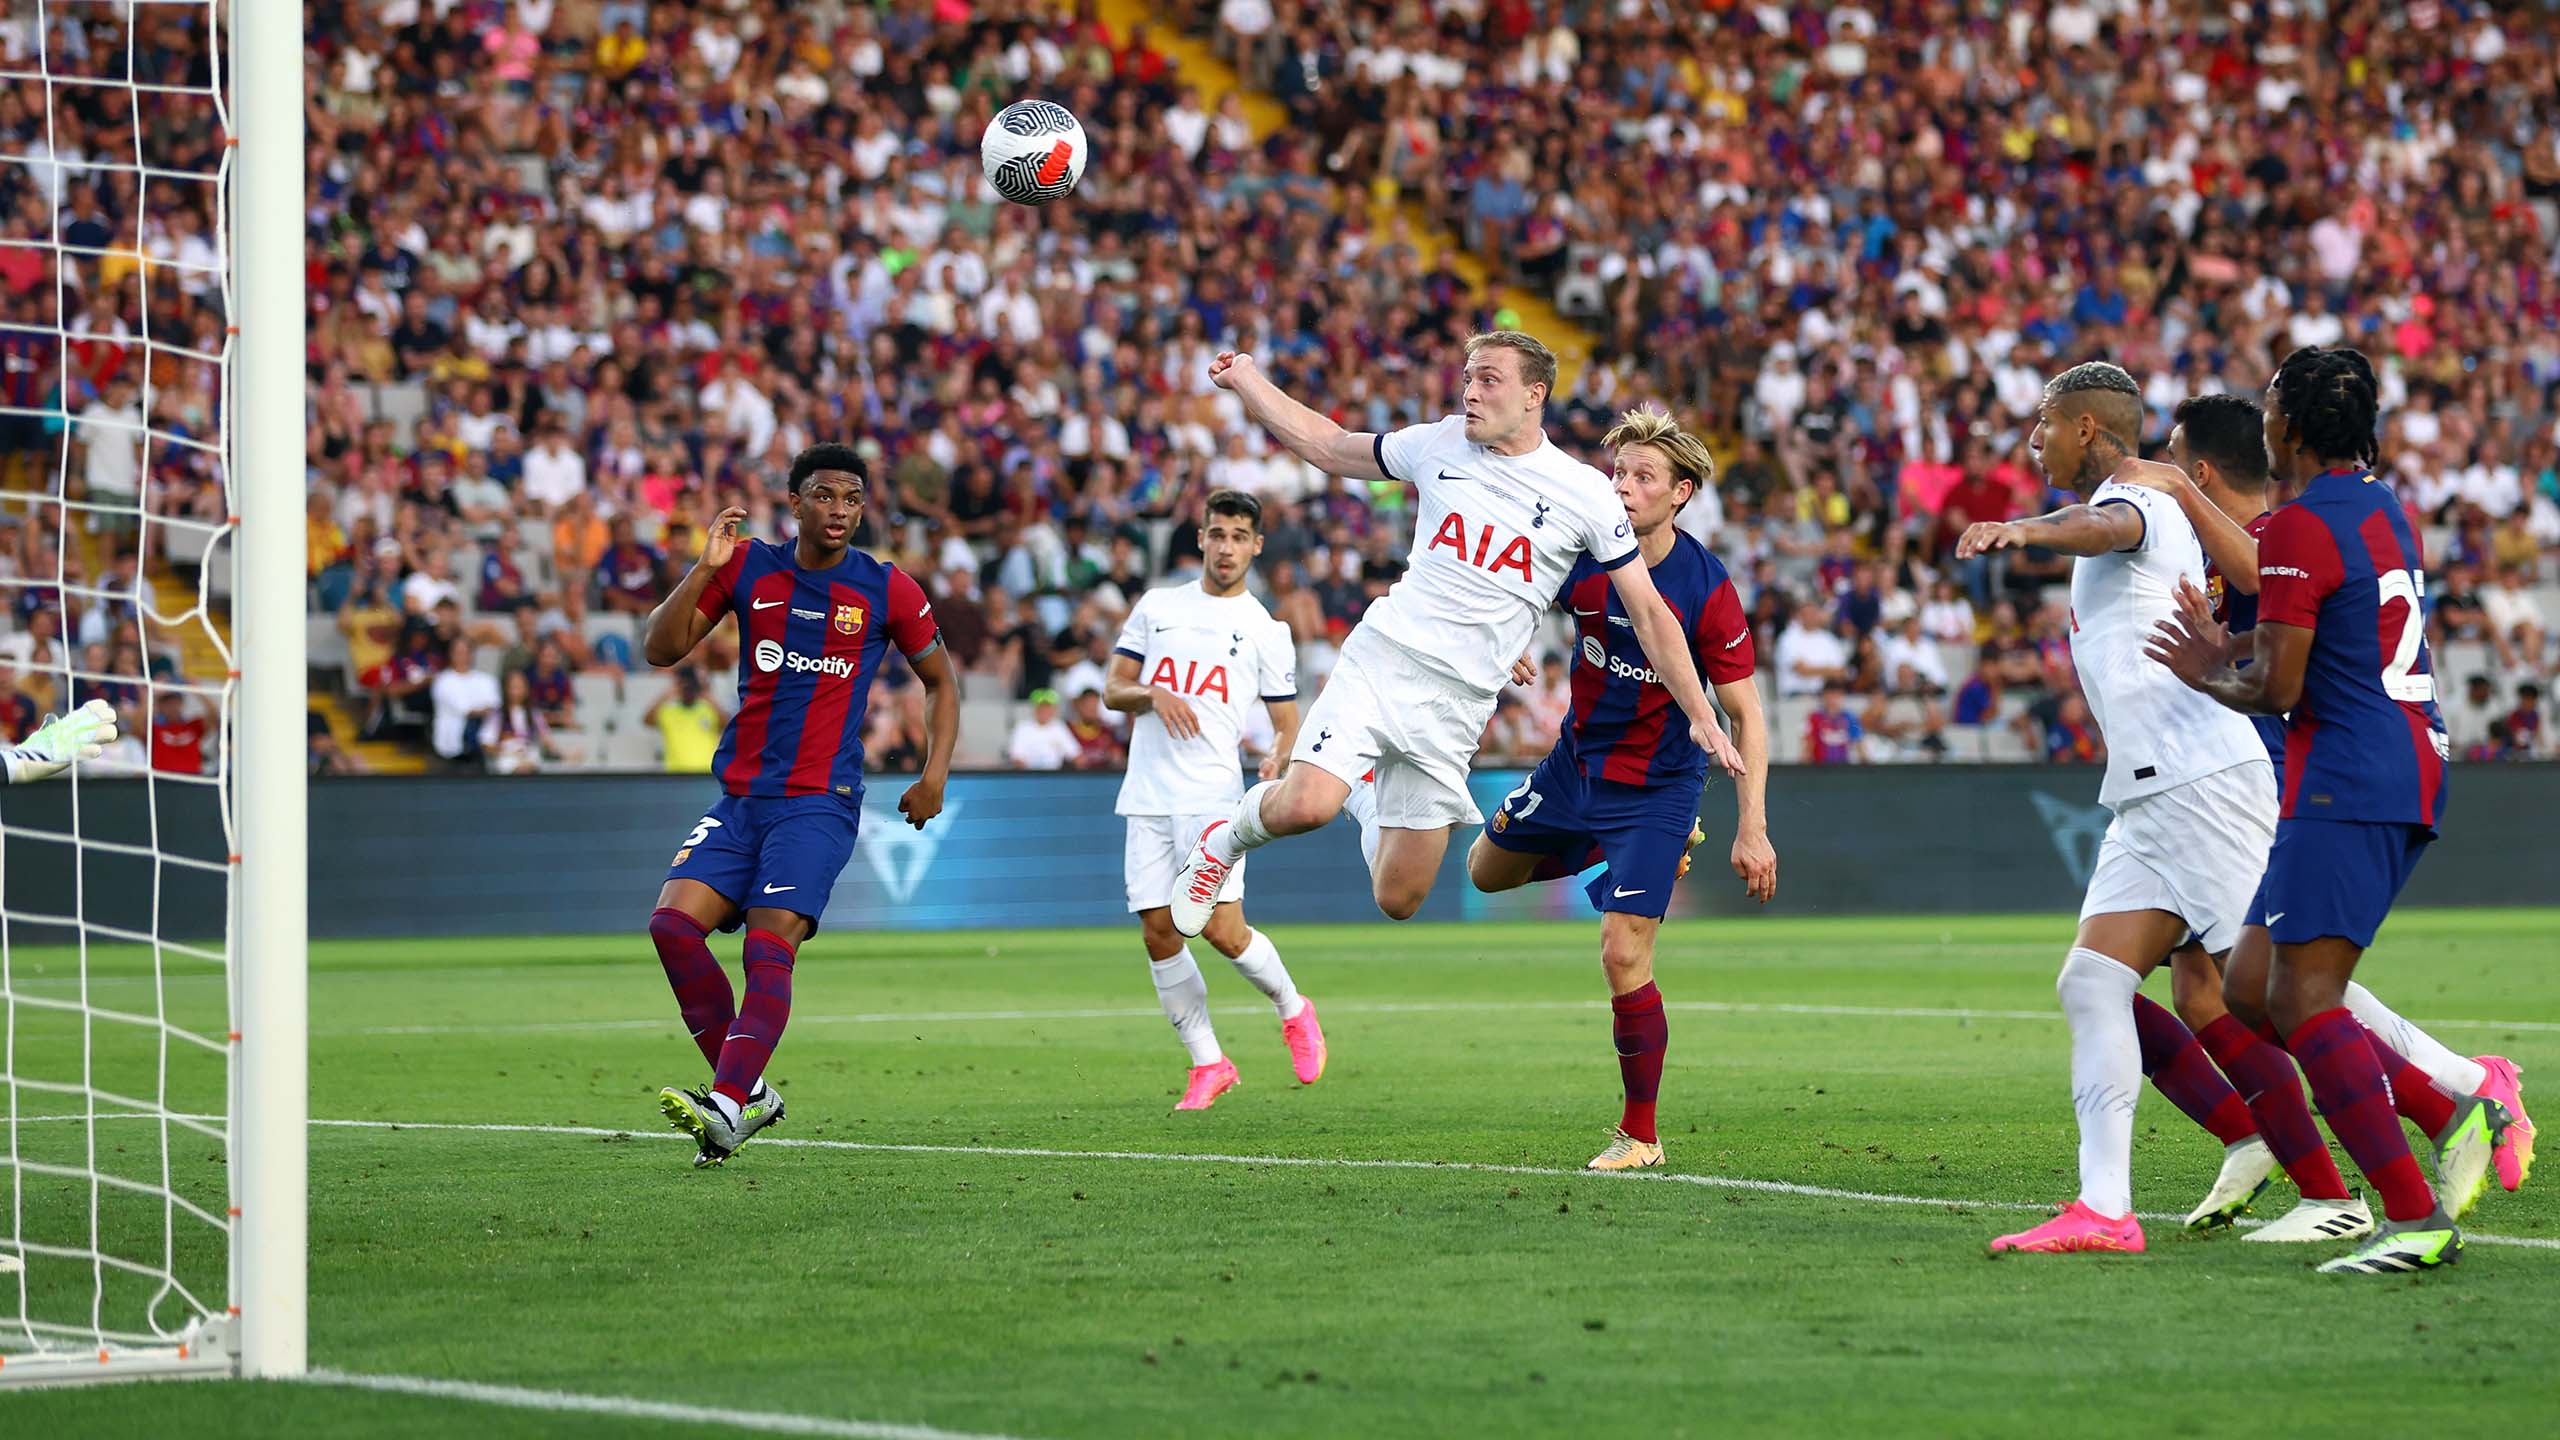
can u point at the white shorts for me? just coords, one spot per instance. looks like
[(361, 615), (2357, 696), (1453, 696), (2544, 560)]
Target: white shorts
[(2196, 851), (1384, 708), (1157, 847)]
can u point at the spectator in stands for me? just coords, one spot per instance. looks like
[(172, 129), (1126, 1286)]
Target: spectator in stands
[(1098, 742), (1040, 740), (179, 729), (322, 751), (2515, 622), (549, 685), (2059, 726), (688, 724), (629, 575), (1810, 654), (2523, 725), (463, 697), (1910, 663), (2469, 716), (518, 736), (1833, 736)]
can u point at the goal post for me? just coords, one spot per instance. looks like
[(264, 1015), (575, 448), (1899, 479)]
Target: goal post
[(271, 1112), (153, 904)]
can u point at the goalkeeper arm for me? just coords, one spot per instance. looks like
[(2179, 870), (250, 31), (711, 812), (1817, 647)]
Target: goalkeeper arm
[(58, 744)]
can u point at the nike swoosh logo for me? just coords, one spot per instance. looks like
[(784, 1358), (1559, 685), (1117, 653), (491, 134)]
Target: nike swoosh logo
[(1622, 893), (1578, 610), (2276, 917), (778, 889), (766, 604)]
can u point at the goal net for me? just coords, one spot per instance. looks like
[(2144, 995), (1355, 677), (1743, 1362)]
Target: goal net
[(139, 1049)]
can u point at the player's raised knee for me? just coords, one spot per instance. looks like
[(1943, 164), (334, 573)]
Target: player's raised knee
[(1400, 902)]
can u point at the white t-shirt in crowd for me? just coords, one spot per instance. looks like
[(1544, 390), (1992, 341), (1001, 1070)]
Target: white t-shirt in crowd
[(1035, 746), (1224, 654)]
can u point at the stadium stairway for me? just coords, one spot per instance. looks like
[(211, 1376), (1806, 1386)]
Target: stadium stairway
[(1203, 68), (201, 659)]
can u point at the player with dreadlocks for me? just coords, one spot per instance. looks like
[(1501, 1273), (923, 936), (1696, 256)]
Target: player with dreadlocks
[(2193, 794), (2218, 472), (2340, 651)]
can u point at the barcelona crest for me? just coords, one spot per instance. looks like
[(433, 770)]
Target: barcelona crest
[(848, 619)]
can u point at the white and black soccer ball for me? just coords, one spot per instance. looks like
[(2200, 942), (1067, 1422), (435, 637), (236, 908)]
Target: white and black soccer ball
[(1033, 152)]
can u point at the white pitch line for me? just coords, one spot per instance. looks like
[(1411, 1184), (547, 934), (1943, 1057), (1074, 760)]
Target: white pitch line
[(1323, 1162), (770, 1422), (1417, 1007), (1316, 1162)]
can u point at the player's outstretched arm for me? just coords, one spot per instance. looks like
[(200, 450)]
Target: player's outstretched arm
[(923, 799), (2073, 530), (2233, 550), (2196, 651), (59, 744), (1310, 436), (680, 621), (1754, 858), (1666, 649)]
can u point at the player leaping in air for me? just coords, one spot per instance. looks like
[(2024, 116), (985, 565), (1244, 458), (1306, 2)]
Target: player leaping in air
[(816, 619), (2340, 651), (1189, 664), (1504, 516), (2192, 794), (1622, 784)]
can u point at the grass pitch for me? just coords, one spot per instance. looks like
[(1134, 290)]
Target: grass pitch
[(981, 1217)]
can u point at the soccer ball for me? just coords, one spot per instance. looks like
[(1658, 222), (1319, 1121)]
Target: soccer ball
[(1033, 152)]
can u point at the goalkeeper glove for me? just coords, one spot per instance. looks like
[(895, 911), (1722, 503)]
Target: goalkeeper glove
[(58, 744)]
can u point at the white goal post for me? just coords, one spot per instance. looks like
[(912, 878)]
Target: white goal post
[(153, 915)]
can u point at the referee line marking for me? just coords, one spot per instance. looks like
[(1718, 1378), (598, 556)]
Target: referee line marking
[(516, 1397), (1354, 1007), (1301, 1162)]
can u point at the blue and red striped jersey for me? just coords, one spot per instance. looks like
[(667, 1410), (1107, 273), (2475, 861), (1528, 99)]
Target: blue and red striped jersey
[(2365, 741), (809, 642), (2239, 614), (1624, 726)]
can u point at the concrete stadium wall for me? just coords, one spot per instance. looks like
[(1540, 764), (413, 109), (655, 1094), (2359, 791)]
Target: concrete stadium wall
[(470, 856)]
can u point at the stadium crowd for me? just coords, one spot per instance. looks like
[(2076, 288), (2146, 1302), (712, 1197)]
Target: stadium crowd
[(581, 273)]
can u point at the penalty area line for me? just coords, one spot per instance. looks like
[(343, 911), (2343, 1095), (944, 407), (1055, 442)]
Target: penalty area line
[(566, 1402), (1320, 1162)]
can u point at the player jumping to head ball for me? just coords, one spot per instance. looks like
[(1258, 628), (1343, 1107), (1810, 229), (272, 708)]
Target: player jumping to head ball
[(1504, 516)]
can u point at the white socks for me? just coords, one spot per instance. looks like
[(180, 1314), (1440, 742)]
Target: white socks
[(1260, 966), (1245, 831), (1362, 806), (1185, 997), (2456, 1075), (2106, 1074)]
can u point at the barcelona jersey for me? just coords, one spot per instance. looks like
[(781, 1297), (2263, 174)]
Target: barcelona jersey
[(2238, 613), (2365, 741), (1624, 726), (809, 643)]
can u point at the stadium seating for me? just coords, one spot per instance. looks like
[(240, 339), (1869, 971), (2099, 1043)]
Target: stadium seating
[(1779, 220)]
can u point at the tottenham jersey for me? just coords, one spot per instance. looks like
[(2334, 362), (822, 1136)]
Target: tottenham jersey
[(1492, 543), (2159, 732), (1225, 655)]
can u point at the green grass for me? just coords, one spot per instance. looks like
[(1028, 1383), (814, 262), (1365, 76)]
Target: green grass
[(1052, 1295)]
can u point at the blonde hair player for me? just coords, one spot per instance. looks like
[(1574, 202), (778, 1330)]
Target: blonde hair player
[(1504, 517), (1622, 786)]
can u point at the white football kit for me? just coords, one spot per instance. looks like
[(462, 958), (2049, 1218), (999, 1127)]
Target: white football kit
[(2193, 795), (1225, 655), (1417, 679)]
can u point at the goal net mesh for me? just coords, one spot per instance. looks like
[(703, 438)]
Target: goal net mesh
[(117, 983)]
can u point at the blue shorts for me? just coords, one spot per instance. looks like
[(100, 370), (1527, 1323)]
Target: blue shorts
[(784, 853), (1641, 831), (2335, 877)]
